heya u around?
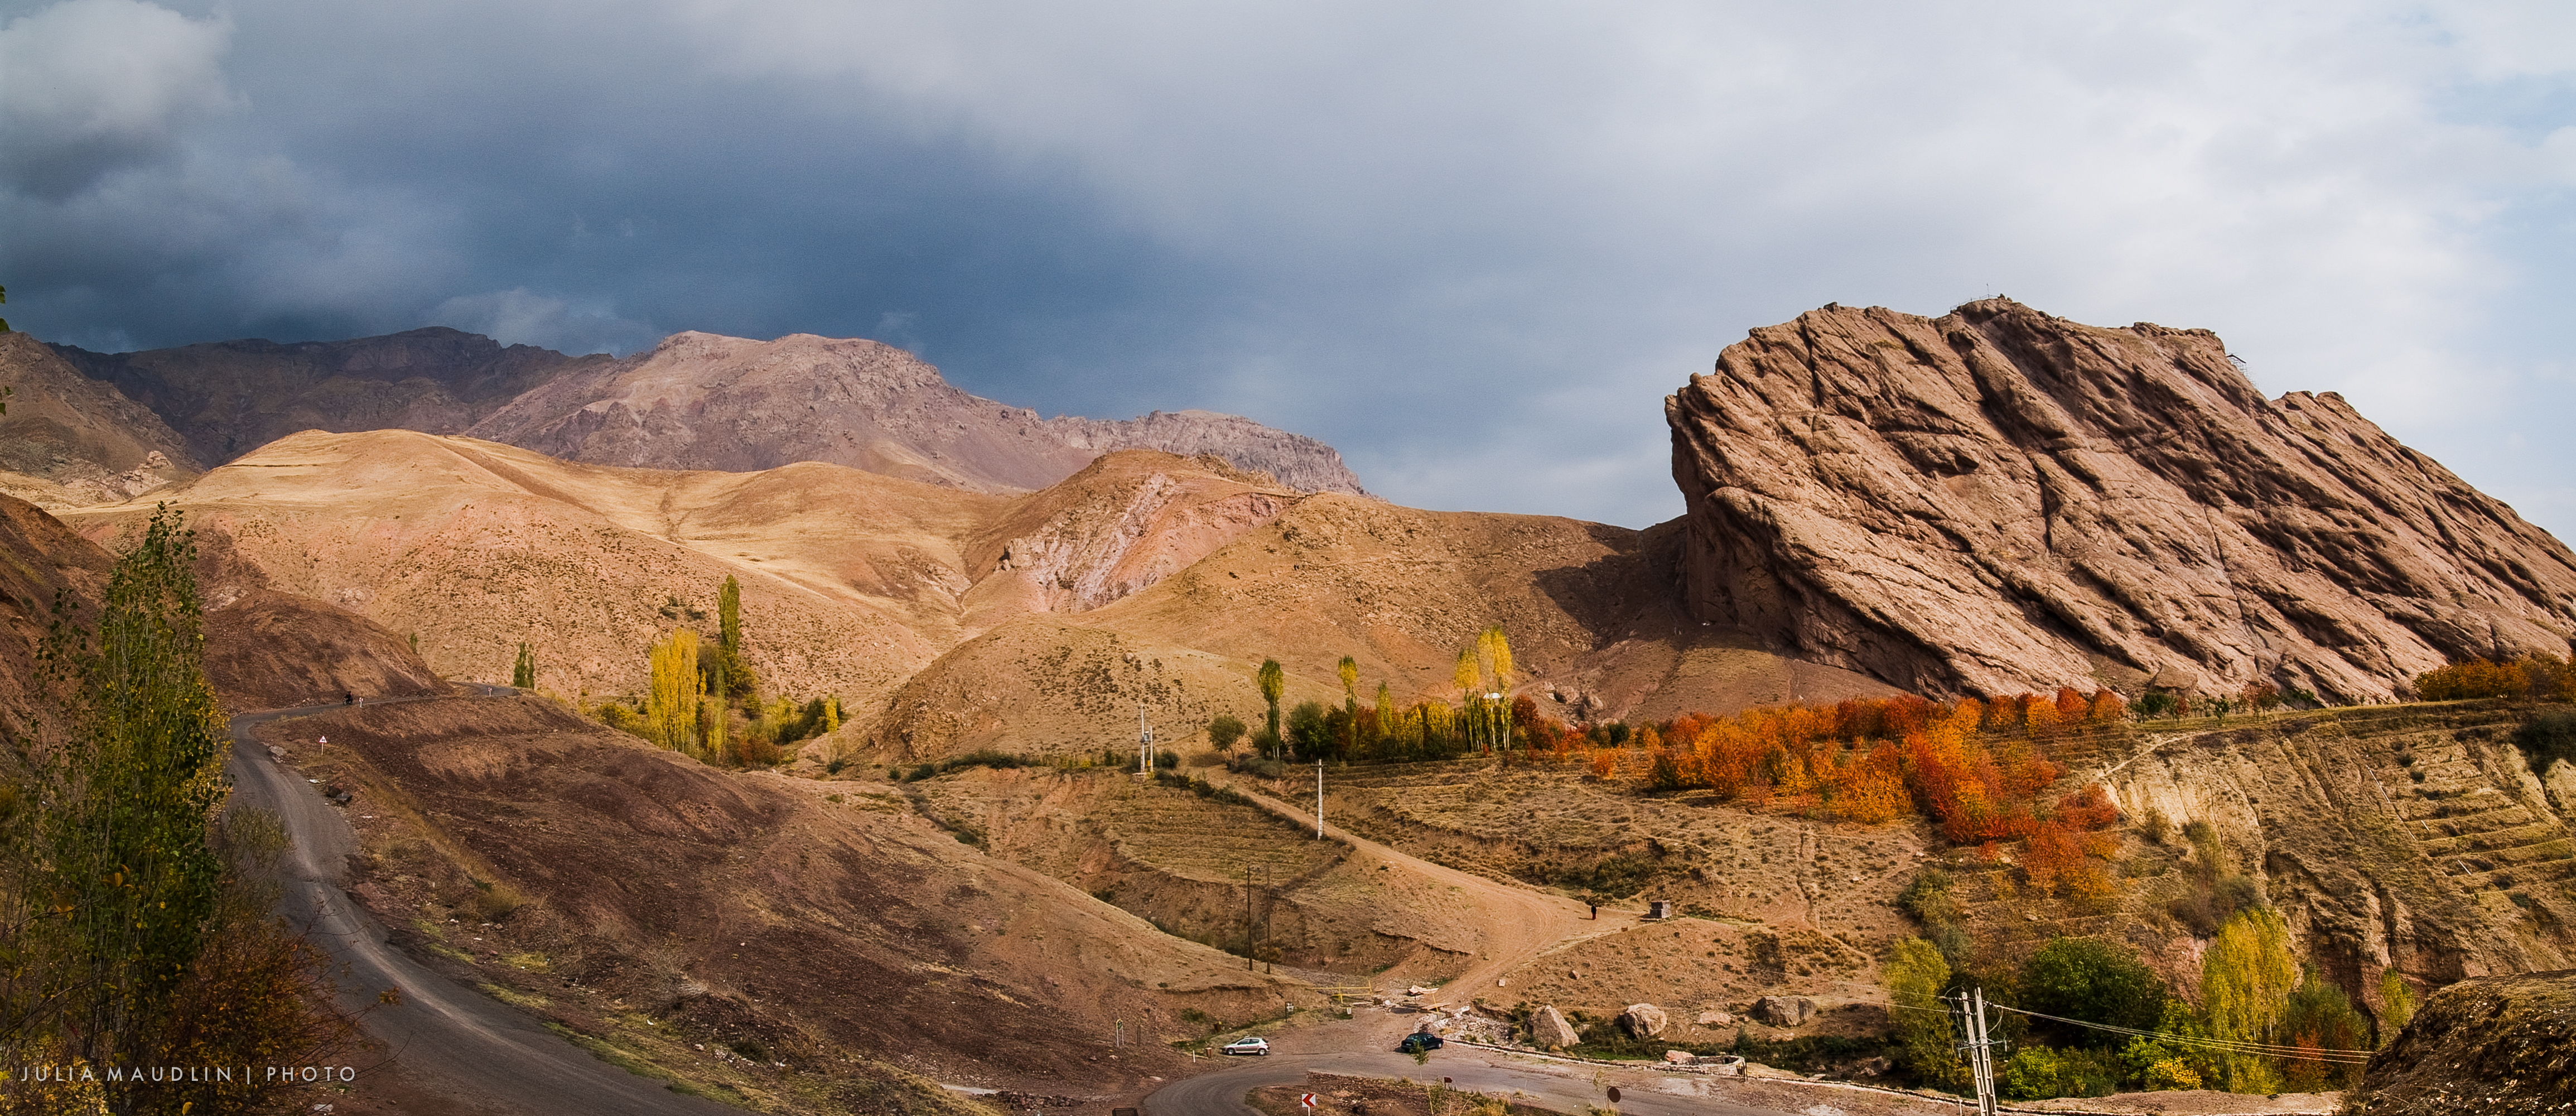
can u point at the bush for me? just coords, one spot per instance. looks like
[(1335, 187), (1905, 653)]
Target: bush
[(2546, 738), (2038, 1073), (2153, 706), (2093, 980), (2478, 678)]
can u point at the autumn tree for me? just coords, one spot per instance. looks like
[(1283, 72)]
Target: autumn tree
[(2247, 975), (1349, 670), (671, 708), (523, 674), (1924, 1035), (1274, 682)]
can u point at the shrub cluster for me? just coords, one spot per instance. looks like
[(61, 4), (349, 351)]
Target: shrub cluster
[(2532, 676)]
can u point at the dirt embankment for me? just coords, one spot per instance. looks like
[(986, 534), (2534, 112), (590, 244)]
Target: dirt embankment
[(790, 942), (2498, 1044)]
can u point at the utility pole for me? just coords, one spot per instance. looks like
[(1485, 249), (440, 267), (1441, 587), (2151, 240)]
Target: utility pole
[(1979, 1048), (1319, 798), (1144, 742), (1251, 963)]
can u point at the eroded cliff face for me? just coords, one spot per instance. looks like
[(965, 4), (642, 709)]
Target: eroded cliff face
[(1999, 501), (2414, 838)]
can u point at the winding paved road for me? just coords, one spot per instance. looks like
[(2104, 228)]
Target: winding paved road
[(448, 1039)]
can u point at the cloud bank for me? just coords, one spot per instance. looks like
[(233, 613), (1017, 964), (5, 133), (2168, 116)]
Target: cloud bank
[(1470, 245)]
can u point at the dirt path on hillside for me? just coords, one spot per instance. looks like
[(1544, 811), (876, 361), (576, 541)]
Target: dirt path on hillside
[(1515, 924), (451, 1049)]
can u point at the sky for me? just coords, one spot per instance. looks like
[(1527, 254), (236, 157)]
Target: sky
[(1471, 245)]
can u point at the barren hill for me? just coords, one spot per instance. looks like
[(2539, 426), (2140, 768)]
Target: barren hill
[(70, 440), (230, 397), (704, 401), (1999, 500), (695, 401)]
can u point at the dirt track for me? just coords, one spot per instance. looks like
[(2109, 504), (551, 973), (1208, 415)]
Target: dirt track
[(1516, 924), (451, 1049)]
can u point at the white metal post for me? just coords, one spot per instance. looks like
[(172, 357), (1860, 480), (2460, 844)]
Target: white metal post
[(1144, 742)]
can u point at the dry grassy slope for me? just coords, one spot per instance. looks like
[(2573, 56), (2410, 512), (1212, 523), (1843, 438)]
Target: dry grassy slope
[(733, 905), (475, 547), (1178, 859), (1589, 608)]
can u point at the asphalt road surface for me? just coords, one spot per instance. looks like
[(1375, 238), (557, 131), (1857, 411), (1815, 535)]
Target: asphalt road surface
[(1560, 1086), (444, 1037)]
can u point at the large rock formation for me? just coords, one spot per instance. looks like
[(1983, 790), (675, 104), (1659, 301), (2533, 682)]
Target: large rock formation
[(702, 401), (1999, 500)]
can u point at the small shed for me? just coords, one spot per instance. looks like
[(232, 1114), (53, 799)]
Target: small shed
[(1659, 908)]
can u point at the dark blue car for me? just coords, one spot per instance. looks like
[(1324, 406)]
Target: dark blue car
[(1419, 1042)]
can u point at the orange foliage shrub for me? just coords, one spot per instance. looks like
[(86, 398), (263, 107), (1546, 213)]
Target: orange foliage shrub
[(2054, 855), (2476, 678), (2107, 708), (1605, 764), (2089, 808)]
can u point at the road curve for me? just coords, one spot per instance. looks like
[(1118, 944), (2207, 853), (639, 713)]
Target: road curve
[(448, 1038), (1562, 1087)]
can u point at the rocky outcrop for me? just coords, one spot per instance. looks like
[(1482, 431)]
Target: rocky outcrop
[(702, 401), (228, 398), (1999, 501), (69, 440), (2502, 1044)]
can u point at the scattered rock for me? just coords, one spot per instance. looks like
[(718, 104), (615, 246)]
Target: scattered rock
[(1680, 1057), (1784, 1011), (1550, 1030), (1757, 1069), (1644, 1021), (1416, 990), (1716, 1019)]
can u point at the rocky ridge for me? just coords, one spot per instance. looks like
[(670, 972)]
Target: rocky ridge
[(1999, 500), (695, 401), (704, 401)]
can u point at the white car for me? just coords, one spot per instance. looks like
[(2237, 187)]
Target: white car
[(1249, 1044)]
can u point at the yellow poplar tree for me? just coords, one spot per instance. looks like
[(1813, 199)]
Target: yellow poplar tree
[(671, 709), (2245, 984)]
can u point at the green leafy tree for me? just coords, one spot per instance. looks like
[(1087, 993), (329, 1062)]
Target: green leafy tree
[(524, 674), (729, 616), (1310, 728), (1224, 729), (2246, 979), (133, 785), (2093, 980), (1349, 670), (2401, 1005), (1924, 1035), (1274, 682)]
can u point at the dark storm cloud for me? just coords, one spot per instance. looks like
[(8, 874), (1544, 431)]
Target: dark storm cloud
[(1470, 245)]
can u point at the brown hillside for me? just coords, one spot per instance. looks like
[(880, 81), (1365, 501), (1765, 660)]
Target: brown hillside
[(668, 903), (69, 440), (41, 560), (1589, 608), (1999, 501), (230, 397)]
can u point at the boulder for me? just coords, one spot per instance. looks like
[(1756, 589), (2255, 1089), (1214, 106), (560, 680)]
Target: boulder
[(1784, 1011), (1549, 1029), (1644, 1021), (1680, 1057), (1714, 1018)]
